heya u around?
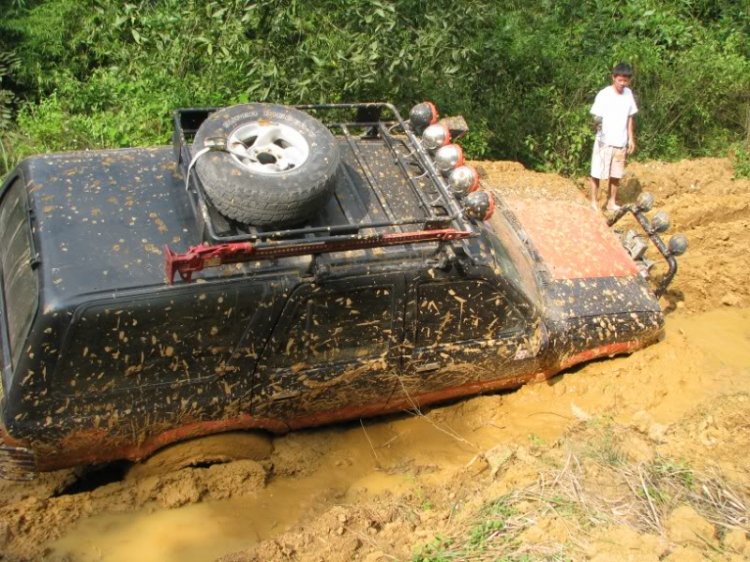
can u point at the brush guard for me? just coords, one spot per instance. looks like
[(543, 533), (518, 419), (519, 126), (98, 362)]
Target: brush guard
[(653, 235)]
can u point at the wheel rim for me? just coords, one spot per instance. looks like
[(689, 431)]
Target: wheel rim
[(271, 148)]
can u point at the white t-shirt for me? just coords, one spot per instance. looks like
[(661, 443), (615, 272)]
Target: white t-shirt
[(614, 109)]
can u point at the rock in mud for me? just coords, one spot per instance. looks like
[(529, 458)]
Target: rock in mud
[(736, 540), (179, 493), (686, 554), (621, 543), (546, 530), (685, 526), (731, 299)]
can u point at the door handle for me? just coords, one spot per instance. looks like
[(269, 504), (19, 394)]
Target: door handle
[(427, 367)]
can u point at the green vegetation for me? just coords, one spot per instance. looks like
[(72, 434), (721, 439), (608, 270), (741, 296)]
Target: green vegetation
[(551, 519), (487, 527), (605, 448), (741, 159), (107, 73)]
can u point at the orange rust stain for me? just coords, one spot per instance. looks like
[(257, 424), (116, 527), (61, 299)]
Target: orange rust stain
[(91, 446)]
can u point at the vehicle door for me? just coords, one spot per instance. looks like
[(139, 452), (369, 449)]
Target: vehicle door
[(335, 351), (168, 358), (462, 333)]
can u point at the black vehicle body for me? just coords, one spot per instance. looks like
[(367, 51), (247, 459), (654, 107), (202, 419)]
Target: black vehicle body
[(103, 359)]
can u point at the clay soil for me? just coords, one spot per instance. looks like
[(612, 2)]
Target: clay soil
[(640, 458)]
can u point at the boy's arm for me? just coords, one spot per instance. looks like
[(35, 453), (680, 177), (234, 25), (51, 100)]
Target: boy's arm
[(596, 112), (631, 135)]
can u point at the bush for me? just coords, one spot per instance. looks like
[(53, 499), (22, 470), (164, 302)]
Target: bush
[(741, 159), (108, 73)]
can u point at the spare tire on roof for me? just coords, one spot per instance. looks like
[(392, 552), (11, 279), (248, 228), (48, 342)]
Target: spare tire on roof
[(289, 171)]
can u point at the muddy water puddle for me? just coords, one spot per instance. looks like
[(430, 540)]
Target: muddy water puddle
[(205, 531), (722, 334), (190, 534), (360, 462), (702, 356)]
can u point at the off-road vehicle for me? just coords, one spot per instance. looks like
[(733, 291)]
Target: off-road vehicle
[(327, 272)]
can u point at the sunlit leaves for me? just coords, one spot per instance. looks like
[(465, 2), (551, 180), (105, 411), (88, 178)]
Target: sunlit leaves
[(524, 74)]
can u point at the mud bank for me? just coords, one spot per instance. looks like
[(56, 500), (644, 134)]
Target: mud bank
[(609, 462)]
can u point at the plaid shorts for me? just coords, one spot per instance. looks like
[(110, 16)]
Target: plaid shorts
[(607, 161)]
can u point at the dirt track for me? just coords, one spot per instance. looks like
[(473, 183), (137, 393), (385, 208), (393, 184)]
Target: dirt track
[(611, 462)]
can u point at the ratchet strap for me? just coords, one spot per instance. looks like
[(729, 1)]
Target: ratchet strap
[(213, 144)]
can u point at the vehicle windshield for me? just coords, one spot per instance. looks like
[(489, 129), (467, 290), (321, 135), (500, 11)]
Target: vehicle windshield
[(512, 257), (19, 282)]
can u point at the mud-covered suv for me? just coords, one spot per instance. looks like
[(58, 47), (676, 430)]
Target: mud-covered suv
[(345, 270)]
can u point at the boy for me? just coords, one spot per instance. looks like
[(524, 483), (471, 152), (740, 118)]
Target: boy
[(613, 112)]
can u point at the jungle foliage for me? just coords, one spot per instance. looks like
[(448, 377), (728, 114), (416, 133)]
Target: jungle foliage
[(107, 73)]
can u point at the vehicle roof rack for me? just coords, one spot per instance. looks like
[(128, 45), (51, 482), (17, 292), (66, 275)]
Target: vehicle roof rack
[(441, 217)]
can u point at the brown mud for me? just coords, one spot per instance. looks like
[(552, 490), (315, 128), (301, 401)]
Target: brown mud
[(641, 457)]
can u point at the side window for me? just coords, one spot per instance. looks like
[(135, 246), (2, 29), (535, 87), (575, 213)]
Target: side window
[(149, 342), (465, 311), (19, 281), (340, 327)]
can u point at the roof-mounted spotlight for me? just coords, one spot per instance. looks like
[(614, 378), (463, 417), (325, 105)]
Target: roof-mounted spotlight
[(422, 116), (435, 136), (479, 205), (463, 180), (449, 157), (678, 244), (645, 202), (660, 222)]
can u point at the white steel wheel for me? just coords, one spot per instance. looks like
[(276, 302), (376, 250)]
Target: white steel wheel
[(280, 168), (271, 148)]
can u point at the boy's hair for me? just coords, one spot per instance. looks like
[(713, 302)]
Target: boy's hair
[(622, 69)]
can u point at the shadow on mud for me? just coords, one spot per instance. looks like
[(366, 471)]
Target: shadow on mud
[(95, 477)]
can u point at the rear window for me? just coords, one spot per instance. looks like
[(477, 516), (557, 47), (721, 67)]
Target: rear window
[(340, 327), (19, 281), (151, 341)]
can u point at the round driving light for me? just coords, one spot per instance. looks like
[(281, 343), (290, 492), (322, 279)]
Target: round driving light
[(645, 202), (435, 136), (479, 205), (660, 222), (678, 244), (422, 116), (463, 180), (449, 157)]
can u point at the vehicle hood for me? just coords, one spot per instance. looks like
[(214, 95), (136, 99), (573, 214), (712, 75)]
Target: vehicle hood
[(586, 271), (572, 240)]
